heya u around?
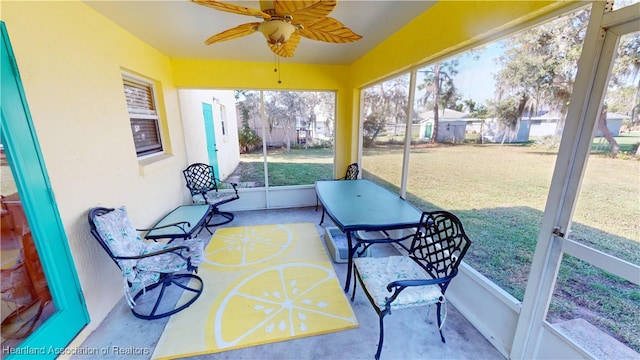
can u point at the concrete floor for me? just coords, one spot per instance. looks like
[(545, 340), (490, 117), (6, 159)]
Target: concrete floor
[(409, 333)]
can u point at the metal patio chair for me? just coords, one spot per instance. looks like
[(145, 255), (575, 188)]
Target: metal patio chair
[(419, 278), (204, 187), (148, 268)]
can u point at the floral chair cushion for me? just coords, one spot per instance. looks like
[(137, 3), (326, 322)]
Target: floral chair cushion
[(123, 240), (121, 237), (377, 273), (171, 262)]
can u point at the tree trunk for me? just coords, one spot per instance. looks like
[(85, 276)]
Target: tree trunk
[(602, 126), (436, 98), (288, 139)]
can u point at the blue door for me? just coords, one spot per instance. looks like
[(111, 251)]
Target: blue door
[(209, 129), (40, 285)]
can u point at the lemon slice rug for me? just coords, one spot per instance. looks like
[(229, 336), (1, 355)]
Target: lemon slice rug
[(262, 284)]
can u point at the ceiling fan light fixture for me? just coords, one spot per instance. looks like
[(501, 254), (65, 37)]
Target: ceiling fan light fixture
[(276, 31)]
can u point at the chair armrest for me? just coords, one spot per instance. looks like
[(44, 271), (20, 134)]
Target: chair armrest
[(206, 191), (417, 282), (233, 185), (396, 287), (155, 253)]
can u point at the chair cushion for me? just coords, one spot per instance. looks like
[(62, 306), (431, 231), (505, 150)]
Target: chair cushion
[(214, 197), (123, 240), (118, 232), (377, 273), (147, 270), (171, 262)]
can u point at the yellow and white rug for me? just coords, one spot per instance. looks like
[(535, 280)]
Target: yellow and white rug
[(262, 284)]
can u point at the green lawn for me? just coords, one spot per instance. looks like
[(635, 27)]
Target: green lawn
[(297, 167), (499, 192), (627, 141)]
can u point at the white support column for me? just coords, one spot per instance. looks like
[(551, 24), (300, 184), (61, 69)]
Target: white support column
[(265, 165), (359, 95), (407, 132)]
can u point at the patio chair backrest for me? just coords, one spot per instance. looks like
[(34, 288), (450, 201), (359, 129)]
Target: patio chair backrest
[(352, 172), (115, 232), (200, 178), (439, 244)]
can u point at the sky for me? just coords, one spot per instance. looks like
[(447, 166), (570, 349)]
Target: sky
[(475, 78)]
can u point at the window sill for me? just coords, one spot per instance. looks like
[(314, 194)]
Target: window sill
[(152, 163)]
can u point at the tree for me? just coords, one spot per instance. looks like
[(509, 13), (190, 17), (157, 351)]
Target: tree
[(384, 103), (372, 127), (622, 100), (320, 103), (279, 112), (507, 112), (249, 100), (296, 110), (247, 137), (249, 107), (439, 87), (475, 110), (624, 76), (539, 66), (602, 126)]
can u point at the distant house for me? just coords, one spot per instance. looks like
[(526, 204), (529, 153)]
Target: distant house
[(546, 124), (303, 132), (614, 123), (452, 125), (539, 126)]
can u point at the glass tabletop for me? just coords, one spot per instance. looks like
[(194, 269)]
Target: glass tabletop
[(193, 214)]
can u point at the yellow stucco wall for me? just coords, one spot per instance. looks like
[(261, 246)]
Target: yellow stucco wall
[(70, 60)]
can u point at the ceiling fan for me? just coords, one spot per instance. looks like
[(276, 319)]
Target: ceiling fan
[(285, 22)]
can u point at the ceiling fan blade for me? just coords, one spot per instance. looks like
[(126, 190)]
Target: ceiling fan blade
[(235, 9), (236, 32), (305, 12), (329, 30), (287, 49)]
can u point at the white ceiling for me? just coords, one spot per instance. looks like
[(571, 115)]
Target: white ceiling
[(178, 28)]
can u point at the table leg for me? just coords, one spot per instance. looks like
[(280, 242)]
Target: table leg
[(352, 250)]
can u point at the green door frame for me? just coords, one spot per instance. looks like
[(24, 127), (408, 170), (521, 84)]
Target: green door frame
[(27, 164)]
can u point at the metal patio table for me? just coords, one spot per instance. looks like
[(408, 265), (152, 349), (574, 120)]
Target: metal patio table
[(362, 205)]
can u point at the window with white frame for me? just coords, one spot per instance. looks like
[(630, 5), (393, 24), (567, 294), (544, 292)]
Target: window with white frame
[(144, 117)]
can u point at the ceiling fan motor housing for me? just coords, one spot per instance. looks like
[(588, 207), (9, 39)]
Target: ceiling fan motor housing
[(276, 31)]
